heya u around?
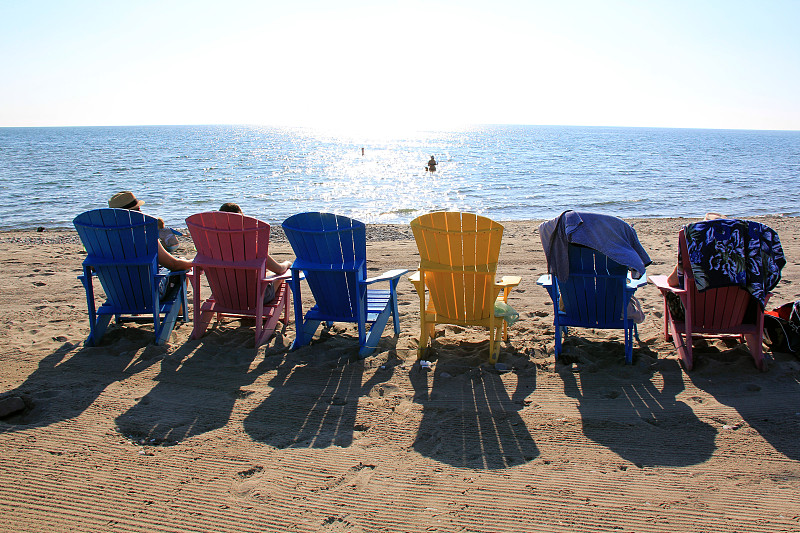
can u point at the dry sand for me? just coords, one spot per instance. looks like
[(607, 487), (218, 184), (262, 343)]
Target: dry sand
[(213, 435)]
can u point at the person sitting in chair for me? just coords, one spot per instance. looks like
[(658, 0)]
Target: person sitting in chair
[(230, 207), (272, 265), (127, 200)]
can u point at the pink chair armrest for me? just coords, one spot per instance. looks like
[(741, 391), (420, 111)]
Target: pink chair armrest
[(661, 283)]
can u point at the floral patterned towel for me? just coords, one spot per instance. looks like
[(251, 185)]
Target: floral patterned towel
[(725, 252)]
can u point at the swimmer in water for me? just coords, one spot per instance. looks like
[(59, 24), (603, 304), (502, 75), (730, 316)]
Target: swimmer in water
[(431, 165)]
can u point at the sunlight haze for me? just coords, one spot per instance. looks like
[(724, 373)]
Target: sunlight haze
[(401, 64)]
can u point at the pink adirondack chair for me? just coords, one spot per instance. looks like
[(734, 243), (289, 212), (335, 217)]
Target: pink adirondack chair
[(232, 251), (711, 313)]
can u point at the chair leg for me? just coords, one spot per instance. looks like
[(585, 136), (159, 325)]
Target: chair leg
[(168, 323), (305, 332), (271, 319), (756, 350), (284, 294), (683, 342), (629, 335), (375, 332), (494, 343), (287, 304), (424, 335), (185, 302), (395, 312), (97, 328), (203, 314), (558, 340), (300, 328), (666, 318)]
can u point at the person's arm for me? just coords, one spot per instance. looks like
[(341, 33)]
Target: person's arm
[(167, 260), (277, 268)]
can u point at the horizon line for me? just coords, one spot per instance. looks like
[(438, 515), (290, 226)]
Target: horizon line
[(442, 127)]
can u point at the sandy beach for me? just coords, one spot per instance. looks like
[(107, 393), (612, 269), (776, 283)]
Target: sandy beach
[(214, 435)]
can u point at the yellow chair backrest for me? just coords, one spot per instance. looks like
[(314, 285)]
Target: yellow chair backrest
[(458, 261)]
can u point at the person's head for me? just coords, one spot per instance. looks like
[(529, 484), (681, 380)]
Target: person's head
[(713, 216), (161, 224), (230, 207), (125, 200)]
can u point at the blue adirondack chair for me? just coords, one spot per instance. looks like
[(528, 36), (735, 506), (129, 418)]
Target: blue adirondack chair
[(331, 255), (122, 247), (595, 295)]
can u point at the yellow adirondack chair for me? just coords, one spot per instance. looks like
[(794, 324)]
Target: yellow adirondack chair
[(458, 264)]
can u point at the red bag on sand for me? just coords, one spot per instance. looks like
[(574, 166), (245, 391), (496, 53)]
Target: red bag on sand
[(790, 312)]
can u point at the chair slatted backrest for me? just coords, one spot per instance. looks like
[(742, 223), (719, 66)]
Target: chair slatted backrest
[(335, 249), (594, 293), (713, 309), (122, 247), (458, 259), (238, 241)]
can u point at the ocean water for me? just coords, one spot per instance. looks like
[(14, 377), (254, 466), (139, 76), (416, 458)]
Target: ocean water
[(49, 175)]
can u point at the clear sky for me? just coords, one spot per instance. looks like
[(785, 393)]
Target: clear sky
[(424, 63)]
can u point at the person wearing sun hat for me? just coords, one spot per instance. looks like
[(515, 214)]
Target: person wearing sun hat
[(125, 200), (128, 200)]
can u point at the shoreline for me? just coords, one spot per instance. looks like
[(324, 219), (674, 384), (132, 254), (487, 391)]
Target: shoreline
[(375, 232)]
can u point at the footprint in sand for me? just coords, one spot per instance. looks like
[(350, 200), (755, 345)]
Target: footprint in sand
[(357, 477), (336, 524), (250, 472)]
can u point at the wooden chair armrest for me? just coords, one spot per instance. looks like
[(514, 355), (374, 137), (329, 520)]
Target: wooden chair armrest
[(661, 283), (634, 283), (285, 276), (387, 276), (509, 281)]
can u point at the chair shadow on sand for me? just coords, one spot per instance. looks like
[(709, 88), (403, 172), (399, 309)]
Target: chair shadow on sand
[(198, 386), (469, 420), (315, 396), (768, 402), (624, 409), (69, 381)]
